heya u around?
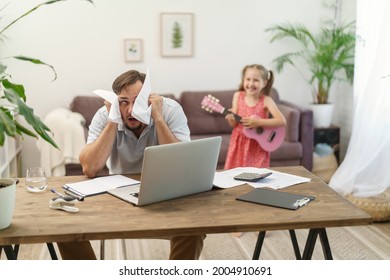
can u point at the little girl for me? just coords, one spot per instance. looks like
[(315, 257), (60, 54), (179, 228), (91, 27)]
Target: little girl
[(252, 98)]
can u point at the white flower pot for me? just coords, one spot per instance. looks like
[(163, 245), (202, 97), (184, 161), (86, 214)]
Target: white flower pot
[(322, 114), (7, 202)]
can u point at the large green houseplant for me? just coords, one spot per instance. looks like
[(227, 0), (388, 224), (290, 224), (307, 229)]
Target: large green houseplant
[(12, 95), (326, 54)]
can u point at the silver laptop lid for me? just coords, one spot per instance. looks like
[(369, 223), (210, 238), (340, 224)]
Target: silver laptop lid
[(179, 169)]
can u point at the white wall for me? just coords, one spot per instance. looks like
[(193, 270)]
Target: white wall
[(85, 45)]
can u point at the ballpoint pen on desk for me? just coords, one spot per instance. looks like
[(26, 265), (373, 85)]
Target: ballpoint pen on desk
[(72, 195), (63, 202), (78, 197), (57, 193)]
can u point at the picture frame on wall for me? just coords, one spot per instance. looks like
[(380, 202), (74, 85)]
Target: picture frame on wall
[(133, 50), (177, 34)]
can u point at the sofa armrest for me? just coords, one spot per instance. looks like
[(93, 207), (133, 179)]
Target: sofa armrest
[(306, 133)]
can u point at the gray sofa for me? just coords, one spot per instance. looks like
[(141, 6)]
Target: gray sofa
[(297, 148)]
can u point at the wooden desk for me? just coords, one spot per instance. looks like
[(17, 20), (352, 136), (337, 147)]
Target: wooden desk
[(217, 211)]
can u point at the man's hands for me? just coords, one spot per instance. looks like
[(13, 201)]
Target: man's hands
[(157, 102)]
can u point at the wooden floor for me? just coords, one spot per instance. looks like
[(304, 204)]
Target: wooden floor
[(348, 243)]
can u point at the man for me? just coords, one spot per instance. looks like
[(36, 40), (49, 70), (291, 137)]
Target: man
[(121, 147)]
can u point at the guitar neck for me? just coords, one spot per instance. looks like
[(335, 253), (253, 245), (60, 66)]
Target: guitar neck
[(236, 117), (211, 104)]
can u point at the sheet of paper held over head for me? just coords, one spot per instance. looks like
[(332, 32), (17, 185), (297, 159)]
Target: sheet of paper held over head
[(141, 109), (115, 114)]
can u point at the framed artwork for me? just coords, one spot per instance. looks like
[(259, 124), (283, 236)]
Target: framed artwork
[(133, 50), (176, 34)]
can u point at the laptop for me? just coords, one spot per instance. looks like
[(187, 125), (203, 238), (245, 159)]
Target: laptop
[(174, 170)]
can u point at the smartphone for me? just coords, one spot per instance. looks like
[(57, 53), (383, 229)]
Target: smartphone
[(251, 177)]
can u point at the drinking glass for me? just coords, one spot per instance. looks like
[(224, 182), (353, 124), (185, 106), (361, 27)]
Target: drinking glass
[(36, 180)]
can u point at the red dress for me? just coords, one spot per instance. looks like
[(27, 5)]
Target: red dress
[(243, 151)]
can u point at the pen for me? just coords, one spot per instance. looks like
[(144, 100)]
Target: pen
[(57, 193), (78, 197)]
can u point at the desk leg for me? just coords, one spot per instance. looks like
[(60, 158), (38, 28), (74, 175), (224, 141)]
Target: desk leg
[(294, 242), (259, 244), (325, 245), (12, 252), (260, 241), (102, 253), (311, 241), (52, 251), (9, 252)]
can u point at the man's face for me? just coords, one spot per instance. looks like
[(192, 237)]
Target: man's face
[(127, 98)]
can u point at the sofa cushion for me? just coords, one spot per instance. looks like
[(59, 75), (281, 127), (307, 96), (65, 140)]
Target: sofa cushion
[(275, 95), (288, 150), (292, 122), (201, 121), (86, 106), (224, 146)]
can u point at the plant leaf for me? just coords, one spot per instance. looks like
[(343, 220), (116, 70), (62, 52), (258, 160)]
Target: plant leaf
[(32, 10), (29, 116), (8, 122), (325, 54), (19, 89), (2, 134), (36, 61)]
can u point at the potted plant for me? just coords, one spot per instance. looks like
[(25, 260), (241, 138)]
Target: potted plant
[(326, 55), (12, 103), (7, 201)]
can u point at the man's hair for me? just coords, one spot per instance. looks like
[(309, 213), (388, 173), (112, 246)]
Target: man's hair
[(126, 79)]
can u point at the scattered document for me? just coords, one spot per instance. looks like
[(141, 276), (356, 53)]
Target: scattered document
[(224, 181), (277, 180), (99, 185), (142, 111), (115, 114)]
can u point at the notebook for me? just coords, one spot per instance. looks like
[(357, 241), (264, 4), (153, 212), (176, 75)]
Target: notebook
[(98, 185), (174, 170), (276, 198)]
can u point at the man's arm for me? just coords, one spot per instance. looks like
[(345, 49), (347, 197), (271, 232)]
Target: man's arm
[(94, 155), (164, 132)]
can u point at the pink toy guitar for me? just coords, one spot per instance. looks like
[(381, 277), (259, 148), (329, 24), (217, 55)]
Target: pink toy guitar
[(269, 138)]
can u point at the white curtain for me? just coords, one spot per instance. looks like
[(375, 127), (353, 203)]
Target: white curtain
[(365, 170)]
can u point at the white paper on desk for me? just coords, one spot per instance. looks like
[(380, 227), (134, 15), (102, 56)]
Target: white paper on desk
[(142, 111), (224, 181), (99, 185), (114, 114), (276, 180)]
